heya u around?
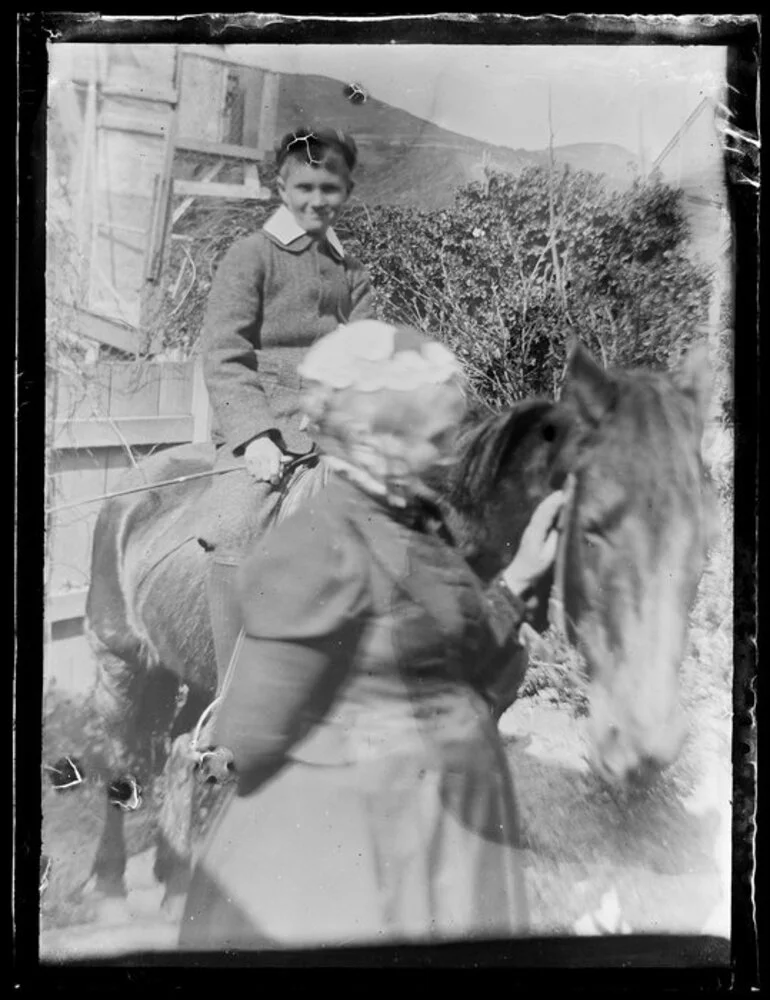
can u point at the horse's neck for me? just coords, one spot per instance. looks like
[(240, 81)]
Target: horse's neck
[(466, 526)]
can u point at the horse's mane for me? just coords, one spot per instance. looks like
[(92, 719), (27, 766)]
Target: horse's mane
[(487, 437)]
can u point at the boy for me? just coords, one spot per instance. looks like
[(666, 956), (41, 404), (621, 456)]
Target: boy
[(274, 294)]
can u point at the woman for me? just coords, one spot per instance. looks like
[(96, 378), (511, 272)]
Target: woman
[(374, 802)]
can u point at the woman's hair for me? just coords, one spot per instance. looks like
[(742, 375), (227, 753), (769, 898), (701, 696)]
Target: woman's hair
[(371, 385), (339, 417)]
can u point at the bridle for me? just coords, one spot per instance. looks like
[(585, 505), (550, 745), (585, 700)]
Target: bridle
[(557, 612)]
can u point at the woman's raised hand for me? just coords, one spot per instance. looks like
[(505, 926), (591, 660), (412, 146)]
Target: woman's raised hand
[(537, 549)]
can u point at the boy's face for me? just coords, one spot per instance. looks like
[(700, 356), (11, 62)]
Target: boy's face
[(314, 195)]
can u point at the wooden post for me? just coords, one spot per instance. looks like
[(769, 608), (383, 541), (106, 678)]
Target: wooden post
[(161, 219), (201, 407), (85, 198), (268, 113)]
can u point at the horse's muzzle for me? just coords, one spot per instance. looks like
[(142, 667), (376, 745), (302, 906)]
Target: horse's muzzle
[(624, 751)]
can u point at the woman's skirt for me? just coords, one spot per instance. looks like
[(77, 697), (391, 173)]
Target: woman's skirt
[(398, 848)]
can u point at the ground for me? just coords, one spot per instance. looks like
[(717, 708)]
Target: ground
[(596, 862)]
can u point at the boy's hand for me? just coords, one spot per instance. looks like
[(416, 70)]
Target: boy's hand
[(537, 549), (264, 460)]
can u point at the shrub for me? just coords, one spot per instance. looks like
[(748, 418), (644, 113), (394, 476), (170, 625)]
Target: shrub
[(486, 278), (489, 280)]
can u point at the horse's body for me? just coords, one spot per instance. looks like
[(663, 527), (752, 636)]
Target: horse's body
[(147, 614)]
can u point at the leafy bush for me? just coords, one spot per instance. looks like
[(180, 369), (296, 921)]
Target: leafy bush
[(486, 277), (556, 673)]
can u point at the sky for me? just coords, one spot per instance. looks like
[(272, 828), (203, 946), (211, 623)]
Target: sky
[(635, 96)]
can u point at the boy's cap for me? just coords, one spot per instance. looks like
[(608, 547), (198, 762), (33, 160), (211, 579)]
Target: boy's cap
[(309, 142), (369, 355)]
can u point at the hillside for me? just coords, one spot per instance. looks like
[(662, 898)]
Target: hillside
[(407, 160)]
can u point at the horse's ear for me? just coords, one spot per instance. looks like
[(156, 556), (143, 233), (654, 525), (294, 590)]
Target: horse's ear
[(693, 378), (587, 387)]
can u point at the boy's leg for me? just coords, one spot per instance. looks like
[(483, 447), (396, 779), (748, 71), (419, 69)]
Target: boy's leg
[(224, 609), (244, 511)]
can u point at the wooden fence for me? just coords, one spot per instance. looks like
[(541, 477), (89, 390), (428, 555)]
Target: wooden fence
[(104, 417)]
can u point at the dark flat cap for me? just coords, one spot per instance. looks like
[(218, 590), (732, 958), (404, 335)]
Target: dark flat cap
[(311, 142)]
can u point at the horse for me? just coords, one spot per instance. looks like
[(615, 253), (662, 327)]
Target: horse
[(633, 549)]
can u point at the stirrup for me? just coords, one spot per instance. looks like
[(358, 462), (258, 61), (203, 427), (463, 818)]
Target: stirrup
[(212, 765)]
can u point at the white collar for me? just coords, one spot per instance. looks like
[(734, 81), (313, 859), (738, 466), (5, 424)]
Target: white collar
[(285, 228)]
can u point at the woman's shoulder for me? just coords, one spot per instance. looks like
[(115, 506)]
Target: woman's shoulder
[(311, 566)]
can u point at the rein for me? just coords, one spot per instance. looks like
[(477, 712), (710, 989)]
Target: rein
[(287, 468)]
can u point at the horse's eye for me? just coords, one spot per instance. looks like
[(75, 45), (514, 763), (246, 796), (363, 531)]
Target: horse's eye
[(549, 432)]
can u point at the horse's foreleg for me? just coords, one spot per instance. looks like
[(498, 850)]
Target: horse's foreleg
[(110, 862)]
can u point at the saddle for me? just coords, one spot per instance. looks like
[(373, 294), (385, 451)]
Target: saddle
[(237, 511), (219, 516)]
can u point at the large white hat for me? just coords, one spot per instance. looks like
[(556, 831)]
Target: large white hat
[(368, 355)]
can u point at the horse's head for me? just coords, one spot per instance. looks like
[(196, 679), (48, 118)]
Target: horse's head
[(507, 463), (635, 542)]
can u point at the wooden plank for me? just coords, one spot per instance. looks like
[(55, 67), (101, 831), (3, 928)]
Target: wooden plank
[(76, 475), (169, 96), (268, 112), (66, 103), (162, 196), (109, 230), (83, 395), (129, 162), (69, 661), (210, 52), (128, 123), (201, 405), (195, 145), (117, 464), (107, 330), (176, 388), (213, 190), (134, 390), (150, 63), (207, 176), (201, 103), (251, 178), (117, 293), (134, 430), (67, 604), (69, 553)]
